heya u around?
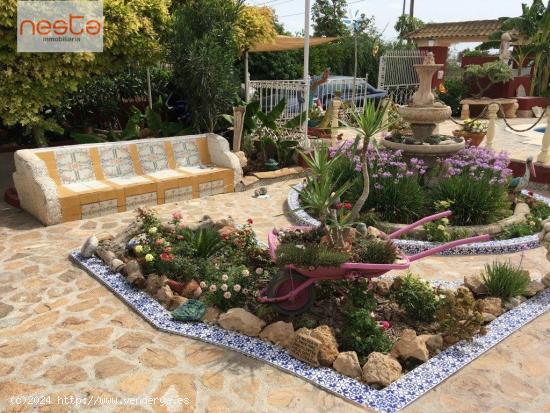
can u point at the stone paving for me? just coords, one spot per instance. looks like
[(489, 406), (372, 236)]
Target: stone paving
[(64, 334)]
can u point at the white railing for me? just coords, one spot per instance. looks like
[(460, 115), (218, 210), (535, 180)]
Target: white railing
[(396, 73), (270, 92)]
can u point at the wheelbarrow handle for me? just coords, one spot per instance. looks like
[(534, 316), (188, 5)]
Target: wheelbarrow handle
[(416, 224), (449, 245)]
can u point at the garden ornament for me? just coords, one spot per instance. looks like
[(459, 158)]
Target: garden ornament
[(192, 310), (520, 183)]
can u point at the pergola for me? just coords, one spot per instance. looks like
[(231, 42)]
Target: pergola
[(446, 34)]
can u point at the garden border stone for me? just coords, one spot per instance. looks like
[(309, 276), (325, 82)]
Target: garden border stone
[(410, 247), (391, 399)]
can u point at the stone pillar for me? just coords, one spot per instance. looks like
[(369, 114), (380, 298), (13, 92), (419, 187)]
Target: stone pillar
[(386, 103), (492, 112), (544, 155), (465, 112)]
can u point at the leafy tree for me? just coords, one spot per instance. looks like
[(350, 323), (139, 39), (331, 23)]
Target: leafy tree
[(34, 83), (204, 49), (255, 25), (328, 18), (405, 25), (496, 72)]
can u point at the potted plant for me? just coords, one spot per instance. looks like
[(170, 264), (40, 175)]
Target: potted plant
[(473, 131)]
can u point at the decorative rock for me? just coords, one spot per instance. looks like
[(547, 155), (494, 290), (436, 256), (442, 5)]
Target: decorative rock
[(104, 236), (305, 348), (185, 289), (192, 310), (329, 346), (511, 303), (243, 161), (177, 302), (116, 265), (262, 191), (133, 273), (381, 370), (211, 315), (347, 363), (383, 286), (106, 255), (546, 280), (279, 333), (154, 283), (165, 296), (488, 317), (410, 346), (434, 342), (533, 288), (89, 247), (475, 284), (361, 229), (491, 305), (374, 232), (238, 319)]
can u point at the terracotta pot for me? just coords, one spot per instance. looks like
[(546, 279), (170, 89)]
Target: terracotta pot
[(472, 139)]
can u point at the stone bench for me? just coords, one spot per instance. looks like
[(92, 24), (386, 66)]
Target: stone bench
[(86, 181), (509, 105)]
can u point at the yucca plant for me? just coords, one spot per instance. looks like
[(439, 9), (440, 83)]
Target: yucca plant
[(205, 242), (504, 280), (370, 122)]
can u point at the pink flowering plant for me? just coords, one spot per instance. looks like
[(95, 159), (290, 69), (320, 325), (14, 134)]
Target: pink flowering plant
[(475, 182), (396, 192)]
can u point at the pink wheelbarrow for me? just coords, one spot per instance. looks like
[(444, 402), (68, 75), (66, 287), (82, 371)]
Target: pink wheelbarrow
[(292, 291)]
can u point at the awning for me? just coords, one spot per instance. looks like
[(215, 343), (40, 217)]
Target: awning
[(283, 43)]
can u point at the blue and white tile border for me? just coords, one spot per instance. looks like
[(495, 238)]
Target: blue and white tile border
[(391, 399), (411, 247)]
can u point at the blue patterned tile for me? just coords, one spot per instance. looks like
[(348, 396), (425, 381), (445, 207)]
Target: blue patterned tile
[(389, 400)]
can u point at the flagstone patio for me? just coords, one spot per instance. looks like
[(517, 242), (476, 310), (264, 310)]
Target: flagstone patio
[(64, 334)]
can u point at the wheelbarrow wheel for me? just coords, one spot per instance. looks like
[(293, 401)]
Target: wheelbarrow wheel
[(285, 282)]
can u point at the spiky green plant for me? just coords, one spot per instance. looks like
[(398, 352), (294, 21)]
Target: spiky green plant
[(504, 280), (310, 255)]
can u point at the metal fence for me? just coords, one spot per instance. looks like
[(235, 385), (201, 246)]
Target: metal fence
[(270, 92), (397, 76)]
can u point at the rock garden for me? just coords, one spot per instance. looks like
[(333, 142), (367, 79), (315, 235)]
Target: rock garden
[(375, 331)]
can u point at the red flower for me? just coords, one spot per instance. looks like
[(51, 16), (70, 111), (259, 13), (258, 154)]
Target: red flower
[(166, 257), (177, 216), (347, 205), (250, 221), (530, 193), (338, 205)]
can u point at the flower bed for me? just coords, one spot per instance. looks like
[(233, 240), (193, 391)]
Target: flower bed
[(217, 273), (302, 218), (394, 397), (473, 184)]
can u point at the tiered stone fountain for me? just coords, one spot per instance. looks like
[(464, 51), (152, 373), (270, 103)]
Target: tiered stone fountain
[(424, 114)]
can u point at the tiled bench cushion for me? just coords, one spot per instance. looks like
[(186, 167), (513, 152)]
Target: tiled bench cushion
[(86, 181)]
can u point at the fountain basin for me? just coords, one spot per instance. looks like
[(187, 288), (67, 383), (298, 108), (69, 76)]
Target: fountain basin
[(425, 114), (425, 150)]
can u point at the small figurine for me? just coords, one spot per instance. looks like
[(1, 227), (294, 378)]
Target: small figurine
[(520, 183)]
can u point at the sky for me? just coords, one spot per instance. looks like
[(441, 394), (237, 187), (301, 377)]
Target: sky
[(386, 12)]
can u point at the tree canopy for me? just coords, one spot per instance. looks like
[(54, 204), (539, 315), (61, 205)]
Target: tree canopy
[(32, 83), (328, 18)]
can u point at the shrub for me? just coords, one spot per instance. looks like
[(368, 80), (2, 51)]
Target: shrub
[(453, 92), (229, 288), (457, 316), (496, 71), (504, 280), (376, 251), (531, 225), (310, 255), (363, 335), (474, 181), (417, 298)]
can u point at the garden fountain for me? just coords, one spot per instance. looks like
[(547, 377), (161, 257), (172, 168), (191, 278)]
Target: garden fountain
[(423, 114)]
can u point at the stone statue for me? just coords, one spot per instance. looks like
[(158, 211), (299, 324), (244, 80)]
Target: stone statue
[(429, 59), (505, 41)]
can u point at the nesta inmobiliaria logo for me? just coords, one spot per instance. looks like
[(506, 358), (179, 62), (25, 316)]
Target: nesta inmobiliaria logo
[(60, 26)]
